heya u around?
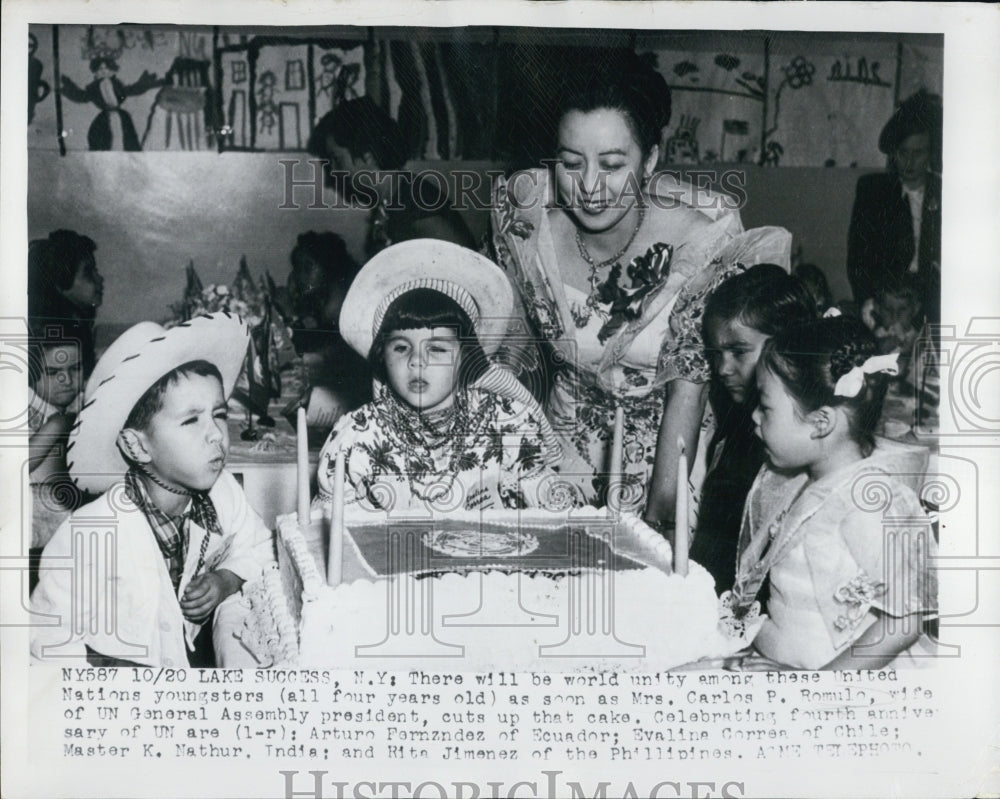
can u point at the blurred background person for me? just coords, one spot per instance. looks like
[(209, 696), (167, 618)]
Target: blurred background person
[(896, 221), (358, 136)]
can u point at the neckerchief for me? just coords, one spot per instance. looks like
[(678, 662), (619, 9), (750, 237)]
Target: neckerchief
[(172, 535)]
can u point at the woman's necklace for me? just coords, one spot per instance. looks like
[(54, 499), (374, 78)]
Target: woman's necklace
[(581, 315)]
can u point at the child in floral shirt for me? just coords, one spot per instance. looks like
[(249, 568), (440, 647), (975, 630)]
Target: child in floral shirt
[(446, 429)]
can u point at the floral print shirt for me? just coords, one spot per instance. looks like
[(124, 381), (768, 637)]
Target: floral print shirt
[(645, 330), (485, 452), (837, 550)]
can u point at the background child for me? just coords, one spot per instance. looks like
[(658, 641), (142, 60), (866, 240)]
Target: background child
[(814, 280), (64, 285), (836, 570), (184, 537), (446, 426), (54, 384), (899, 326), (321, 274), (742, 313), (53, 398)]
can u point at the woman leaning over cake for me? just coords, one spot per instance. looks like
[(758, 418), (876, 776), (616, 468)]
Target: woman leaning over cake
[(613, 264)]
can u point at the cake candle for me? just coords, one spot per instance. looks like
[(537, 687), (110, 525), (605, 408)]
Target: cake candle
[(615, 469), (681, 541), (335, 564), (302, 467)]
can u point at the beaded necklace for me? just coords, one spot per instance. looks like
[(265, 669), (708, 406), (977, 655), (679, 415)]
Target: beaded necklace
[(582, 315), (424, 434)]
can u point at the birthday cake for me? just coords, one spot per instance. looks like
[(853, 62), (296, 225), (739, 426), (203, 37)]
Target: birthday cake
[(518, 590)]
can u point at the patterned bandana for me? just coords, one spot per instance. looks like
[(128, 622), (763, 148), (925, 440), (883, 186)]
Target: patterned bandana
[(172, 534)]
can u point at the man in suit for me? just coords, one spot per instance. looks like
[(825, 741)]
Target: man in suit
[(896, 222)]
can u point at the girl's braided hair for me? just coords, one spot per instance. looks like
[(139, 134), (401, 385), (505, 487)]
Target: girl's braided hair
[(810, 358)]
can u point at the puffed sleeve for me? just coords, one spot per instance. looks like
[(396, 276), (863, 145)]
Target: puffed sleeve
[(524, 474), (512, 242), (721, 255), (875, 560)]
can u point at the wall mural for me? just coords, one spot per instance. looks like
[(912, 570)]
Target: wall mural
[(766, 100)]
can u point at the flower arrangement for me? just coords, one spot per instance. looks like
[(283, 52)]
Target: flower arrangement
[(249, 301), (272, 340)]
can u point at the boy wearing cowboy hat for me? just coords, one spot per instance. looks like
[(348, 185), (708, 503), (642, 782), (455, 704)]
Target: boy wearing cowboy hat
[(135, 574)]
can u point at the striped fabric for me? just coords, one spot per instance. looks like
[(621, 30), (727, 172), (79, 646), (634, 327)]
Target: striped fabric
[(501, 381), (446, 287)]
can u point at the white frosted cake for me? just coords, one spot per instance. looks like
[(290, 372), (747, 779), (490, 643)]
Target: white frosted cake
[(518, 590)]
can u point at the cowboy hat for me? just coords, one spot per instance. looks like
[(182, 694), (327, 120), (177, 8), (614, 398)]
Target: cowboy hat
[(473, 281), (138, 358)]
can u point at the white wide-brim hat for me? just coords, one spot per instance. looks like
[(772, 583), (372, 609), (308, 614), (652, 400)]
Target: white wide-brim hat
[(138, 358), (476, 283)]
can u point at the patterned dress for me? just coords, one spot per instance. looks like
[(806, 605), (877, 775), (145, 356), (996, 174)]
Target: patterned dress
[(643, 331), (485, 452), (837, 550)]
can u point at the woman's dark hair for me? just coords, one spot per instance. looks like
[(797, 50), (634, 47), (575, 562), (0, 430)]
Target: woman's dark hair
[(426, 308), (920, 113), (809, 359), (150, 403), (361, 126), (814, 280), (626, 83), (764, 297), (54, 261)]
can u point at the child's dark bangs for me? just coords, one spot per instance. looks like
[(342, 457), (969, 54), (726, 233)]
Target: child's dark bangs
[(425, 308)]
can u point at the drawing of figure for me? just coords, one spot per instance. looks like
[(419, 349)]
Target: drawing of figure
[(112, 128), (38, 89), (682, 146)]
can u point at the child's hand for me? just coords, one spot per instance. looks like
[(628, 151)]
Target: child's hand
[(204, 593), (325, 408)]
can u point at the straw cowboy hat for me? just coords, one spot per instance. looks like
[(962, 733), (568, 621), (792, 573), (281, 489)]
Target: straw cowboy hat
[(473, 281), (477, 284), (138, 358)]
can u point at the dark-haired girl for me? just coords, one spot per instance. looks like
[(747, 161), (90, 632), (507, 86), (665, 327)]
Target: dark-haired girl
[(321, 274), (740, 316), (446, 428), (613, 263), (65, 287), (830, 519)]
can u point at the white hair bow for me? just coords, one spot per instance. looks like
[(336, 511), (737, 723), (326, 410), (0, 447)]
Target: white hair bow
[(830, 312), (850, 384)]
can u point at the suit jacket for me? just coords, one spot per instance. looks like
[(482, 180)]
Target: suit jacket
[(880, 242), (128, 609)]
